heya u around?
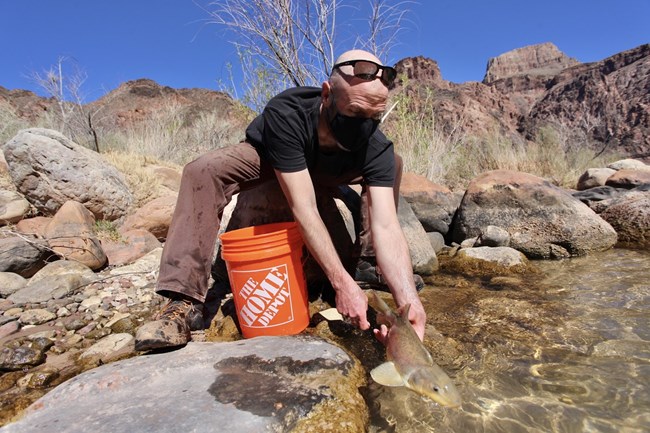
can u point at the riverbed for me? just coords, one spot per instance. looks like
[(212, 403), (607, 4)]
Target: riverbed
[(565, 349)]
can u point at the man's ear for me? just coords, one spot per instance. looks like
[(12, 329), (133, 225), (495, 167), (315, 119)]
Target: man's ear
[(326, 92)]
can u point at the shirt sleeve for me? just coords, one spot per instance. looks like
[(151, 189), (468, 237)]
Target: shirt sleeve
[(379, 167)]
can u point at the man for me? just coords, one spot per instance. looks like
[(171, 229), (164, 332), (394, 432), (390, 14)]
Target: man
[(305, 136)]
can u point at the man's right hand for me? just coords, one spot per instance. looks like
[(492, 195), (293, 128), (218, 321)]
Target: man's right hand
[(352, 303)]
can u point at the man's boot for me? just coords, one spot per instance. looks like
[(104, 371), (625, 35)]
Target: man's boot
[(171, 327), (367, 275)]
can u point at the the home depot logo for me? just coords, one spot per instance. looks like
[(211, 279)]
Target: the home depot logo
[(264, 297)]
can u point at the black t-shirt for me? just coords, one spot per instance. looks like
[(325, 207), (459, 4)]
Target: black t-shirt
[(286, 135)]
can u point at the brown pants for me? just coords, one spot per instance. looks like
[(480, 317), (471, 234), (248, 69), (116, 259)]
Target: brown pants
[(207, 186)]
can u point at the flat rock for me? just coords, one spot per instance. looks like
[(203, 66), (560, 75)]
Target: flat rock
[(261, 384), (54, 281)]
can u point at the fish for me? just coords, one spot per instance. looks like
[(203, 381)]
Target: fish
[(409, 363)]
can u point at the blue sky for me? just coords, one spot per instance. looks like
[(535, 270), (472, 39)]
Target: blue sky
[(168, 40)]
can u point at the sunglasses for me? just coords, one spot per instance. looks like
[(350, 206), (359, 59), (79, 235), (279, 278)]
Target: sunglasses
[(368, 70)]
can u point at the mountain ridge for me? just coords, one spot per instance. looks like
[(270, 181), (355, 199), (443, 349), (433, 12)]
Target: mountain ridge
[(606, 103)]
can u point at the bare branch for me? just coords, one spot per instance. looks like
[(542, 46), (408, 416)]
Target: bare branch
[(294, 41)]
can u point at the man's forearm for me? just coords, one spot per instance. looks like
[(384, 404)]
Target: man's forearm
[(395, 264), (318, 241)]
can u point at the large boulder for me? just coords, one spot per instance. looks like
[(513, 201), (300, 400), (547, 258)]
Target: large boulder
[(543, 221), (50, 169), (423, 256), (629, 214), (434, 205), (264, 384)]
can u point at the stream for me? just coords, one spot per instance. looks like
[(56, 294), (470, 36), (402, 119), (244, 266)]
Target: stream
[(564, 350)]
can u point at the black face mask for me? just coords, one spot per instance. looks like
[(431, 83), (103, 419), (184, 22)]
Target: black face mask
[(352, 133)]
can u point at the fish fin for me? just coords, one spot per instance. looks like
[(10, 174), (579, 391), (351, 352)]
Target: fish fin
[(378, 304), (386, 374), (331, 314), (403, 311)]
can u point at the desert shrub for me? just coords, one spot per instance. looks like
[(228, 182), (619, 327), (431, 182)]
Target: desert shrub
[(168, 135), (10, 123), (448, 156), (141, 180)]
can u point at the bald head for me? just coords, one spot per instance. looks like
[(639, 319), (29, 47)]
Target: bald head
[(357, 55), (354, 93)]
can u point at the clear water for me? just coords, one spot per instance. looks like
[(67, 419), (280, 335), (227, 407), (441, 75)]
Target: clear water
[(567, 350)]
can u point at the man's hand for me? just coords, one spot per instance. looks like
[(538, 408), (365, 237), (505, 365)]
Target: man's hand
[(352, 303), (418, 318)]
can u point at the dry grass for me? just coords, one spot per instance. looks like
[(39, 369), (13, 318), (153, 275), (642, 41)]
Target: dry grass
[(136, 168), (450, 158), (445, 156)]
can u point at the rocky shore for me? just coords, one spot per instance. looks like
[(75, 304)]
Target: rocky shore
[(71, 299)]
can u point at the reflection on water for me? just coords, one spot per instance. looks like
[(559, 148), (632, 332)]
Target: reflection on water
[(565, 351)]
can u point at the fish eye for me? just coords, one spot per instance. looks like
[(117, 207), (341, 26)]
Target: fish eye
[(436, 389)]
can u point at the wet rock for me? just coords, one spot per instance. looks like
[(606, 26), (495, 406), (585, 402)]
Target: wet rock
[(262, 384), (55, 281), (597, 194), (17, 358), (71, 235), (42, 379), (50, 169), (488, 261), (629, 349), (504, 256)]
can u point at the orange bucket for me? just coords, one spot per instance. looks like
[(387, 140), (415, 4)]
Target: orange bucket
[(267, 280)]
